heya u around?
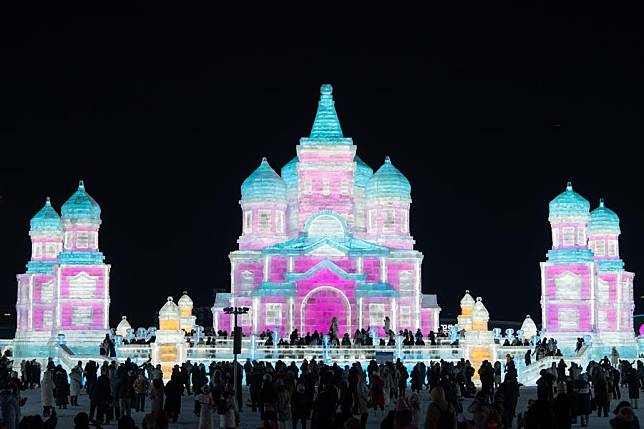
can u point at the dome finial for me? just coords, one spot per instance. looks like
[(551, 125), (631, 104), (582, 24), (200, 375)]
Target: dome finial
[(48, 201), (387, 159), (601, 202), (326, 89), (569, 186), (81, 184)]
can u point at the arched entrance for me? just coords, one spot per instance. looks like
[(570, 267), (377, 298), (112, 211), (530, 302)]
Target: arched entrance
[(320, 306)]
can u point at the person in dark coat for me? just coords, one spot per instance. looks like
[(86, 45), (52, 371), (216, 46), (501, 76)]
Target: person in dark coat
[(61, 387), (634, 384), (545, 385), (302, 402), (510, 391), (602, 399), (540, 415), (581, 399), (99, 398), (562, 407), (173, 393), (625, 417)]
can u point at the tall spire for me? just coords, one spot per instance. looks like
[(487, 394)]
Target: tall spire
[(326, 125)]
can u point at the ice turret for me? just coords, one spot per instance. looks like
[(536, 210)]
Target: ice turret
[(480, 316), (185, 308), (528, 327), (123, 326)]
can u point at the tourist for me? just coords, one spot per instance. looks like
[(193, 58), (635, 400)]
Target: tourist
[(47, 389), (440, 414), (90, 372), (228, 410), (614, 357), (99, 398), (141, 387), (268, 401), (634, 384), (479, 408), (283, 406), (205, 405), (563, 408), (378, 393), (75, 384), (125, 394), (156, 397), (362, 400), (81, 421), (403, 375), (173, 393), (497, 374), (601, 390), (625, 417), (302, 403), (510, 391), (545, 385)]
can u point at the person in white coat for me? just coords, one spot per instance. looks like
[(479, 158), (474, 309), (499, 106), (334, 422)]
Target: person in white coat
[(47, 390), (75, 383), (203, 398)]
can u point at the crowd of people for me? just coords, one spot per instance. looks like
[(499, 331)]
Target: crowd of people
[(312, 393), (566, 394)]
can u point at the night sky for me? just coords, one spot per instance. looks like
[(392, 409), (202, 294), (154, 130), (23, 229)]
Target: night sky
[(488, 114)]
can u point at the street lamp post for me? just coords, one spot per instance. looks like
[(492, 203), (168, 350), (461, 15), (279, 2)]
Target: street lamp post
[(237, 336)]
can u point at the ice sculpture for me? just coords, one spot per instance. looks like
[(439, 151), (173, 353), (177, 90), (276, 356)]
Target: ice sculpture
[(65, 290), (528, 327), (584, 287), (465, 318), (170, 347), (328, 238), (185, 308), (122, 327)]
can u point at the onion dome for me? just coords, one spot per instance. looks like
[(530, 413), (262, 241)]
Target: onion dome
[(289, 173), (123, 326), (467, 300), (528, 327), (47, 219), (169, 311), (569, 203), (480, 312), (363, 172), (81, 206), (388, 182), (185, 301), (263, 184), (603, 221)]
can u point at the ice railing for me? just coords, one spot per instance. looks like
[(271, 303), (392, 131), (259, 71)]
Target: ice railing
[(254, 348)]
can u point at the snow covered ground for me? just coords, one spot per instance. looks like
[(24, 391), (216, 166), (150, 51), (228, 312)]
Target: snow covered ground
[(250, 420)]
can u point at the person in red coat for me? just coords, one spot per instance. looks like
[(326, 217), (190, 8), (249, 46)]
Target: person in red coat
[(378, 393)]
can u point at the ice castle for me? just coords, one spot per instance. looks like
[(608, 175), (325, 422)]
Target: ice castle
[(326, 238), (63, 297), (585, 290)]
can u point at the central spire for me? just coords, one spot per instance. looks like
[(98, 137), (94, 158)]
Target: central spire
[(326, 125)]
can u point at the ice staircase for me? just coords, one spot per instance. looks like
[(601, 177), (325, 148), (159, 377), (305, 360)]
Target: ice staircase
[(531, 373)]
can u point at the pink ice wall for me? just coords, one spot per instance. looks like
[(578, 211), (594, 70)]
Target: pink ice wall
[(94, 271), (97, 317)]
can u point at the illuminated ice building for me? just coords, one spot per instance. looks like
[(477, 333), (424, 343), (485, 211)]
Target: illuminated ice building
[(585, 290), (326, 238), (65, 290)]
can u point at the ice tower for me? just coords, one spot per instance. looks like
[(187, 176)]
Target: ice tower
[(328, 238), (585, 289), (66, 287)]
